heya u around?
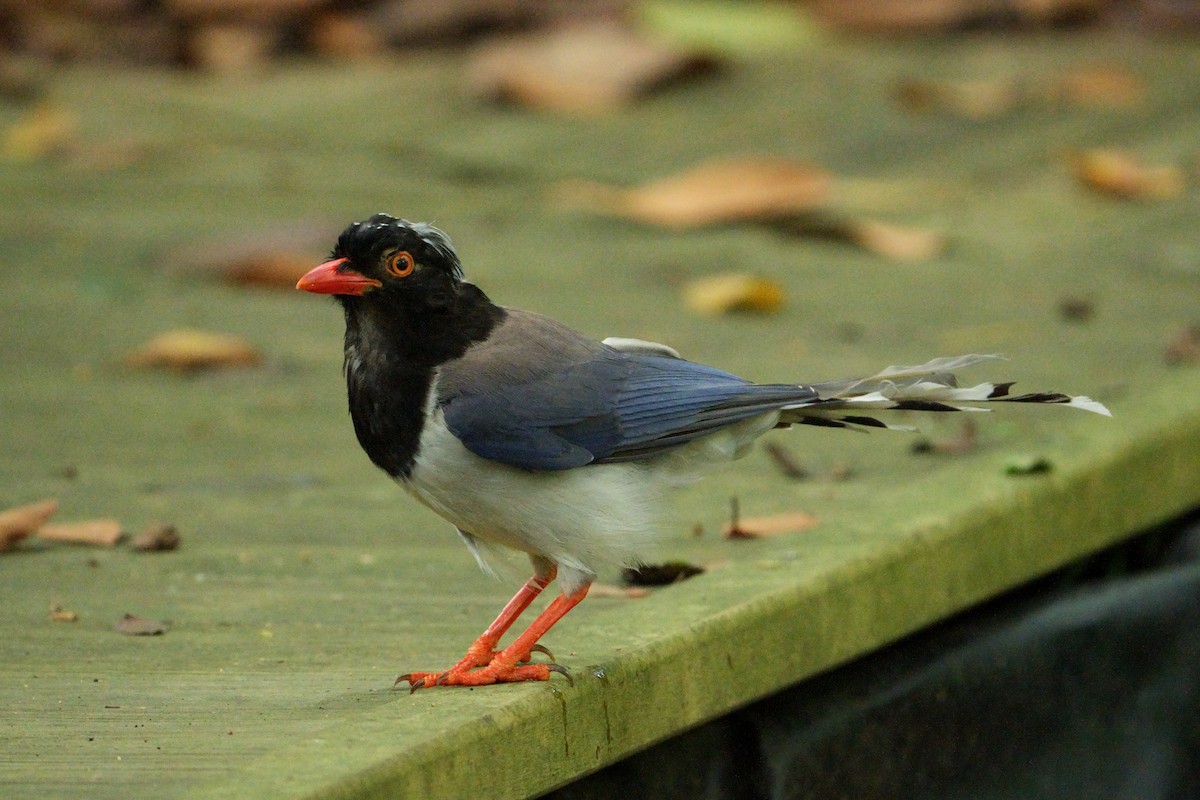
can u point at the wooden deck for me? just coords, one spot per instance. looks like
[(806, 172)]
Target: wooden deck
[(306, 581)]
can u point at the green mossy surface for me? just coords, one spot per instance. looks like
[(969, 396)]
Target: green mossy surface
[(307, 581)]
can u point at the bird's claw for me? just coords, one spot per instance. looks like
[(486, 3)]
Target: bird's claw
[(537, 648), (495, 672)]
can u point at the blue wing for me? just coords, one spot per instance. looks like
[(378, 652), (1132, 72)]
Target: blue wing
[(609, 407)]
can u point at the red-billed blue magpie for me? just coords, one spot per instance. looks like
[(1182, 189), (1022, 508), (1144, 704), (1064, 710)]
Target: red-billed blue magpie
[(526, 434)]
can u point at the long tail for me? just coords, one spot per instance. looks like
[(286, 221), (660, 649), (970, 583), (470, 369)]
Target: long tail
[(926, 387)]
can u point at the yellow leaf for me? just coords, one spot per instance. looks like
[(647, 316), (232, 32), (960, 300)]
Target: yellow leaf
[(187, 350), (721, 294)]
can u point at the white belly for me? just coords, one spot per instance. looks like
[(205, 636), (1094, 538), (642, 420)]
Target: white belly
[(580, 519)]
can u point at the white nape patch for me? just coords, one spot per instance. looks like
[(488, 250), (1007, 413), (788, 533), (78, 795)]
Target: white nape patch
[(581, 519)]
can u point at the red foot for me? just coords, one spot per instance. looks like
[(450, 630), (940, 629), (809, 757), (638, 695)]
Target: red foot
[(484, 665), (495, 672)]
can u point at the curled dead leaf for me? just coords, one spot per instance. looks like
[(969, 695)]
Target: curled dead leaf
[(157, 537), (772, 525), (974, 100), (133, 625), (587, 68), (97, 532), (715, 192), (188, 350), (733, 291), (894, 242), (1122, 174), (21, 521)]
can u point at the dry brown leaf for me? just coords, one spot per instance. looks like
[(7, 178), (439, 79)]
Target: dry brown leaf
[(896, 242), (275, 256), (1122, 174), (157, 537), (60, 614), (617, 592), (588, 69), (1099, 87), (133, 625), (188, 350), (1184, 346), (21, 521), (974, 100), (43, 130), (749, 189), (98, 532), (733, 291), (773, 525)]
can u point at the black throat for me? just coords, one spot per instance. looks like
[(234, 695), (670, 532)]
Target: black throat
[(392, 356)]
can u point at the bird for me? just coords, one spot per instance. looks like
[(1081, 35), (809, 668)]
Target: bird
[(528, 435)]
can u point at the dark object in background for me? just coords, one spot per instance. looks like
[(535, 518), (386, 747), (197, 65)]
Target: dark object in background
[(1085, 684)]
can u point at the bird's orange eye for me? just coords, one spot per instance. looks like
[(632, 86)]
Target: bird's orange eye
[(401, 264)]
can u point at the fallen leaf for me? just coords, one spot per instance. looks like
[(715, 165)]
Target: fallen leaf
[(21, 521), (729, 292), (157, 537), (1122, 174), (1184, 346), (892, 241), (773, 525), (590, 69), (617, 592), (60, 614), (188, 350), (44, 130), (974, 100), (133, 625), (719, 191), (1099, 87), (660, 574), (98, 532), (270, 257), (229, 48), (896, 242)]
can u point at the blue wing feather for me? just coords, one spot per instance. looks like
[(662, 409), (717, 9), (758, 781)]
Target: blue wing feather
[(611, 407)]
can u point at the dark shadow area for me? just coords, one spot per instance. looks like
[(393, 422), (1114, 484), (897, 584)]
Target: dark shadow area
[(1084, 684)]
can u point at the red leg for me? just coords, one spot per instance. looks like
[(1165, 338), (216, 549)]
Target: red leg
[(504, 666)]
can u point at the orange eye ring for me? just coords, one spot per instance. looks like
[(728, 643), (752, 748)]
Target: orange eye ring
[(401, 264)]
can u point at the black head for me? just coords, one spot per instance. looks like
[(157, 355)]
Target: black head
[(393, 261)]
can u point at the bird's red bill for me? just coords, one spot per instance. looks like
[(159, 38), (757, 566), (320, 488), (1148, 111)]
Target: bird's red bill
[(335, 277)]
